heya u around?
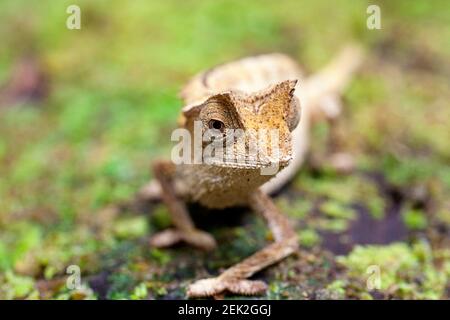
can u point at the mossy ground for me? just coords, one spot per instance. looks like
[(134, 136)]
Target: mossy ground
[(71, 163)]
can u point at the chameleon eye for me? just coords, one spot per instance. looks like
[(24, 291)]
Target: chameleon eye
[(216, 124)]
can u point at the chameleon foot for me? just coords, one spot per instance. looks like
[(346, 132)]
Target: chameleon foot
[(196, 238), (217, 286)]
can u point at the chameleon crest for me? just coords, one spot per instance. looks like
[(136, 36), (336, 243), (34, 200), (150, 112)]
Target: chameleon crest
[(266, 118)]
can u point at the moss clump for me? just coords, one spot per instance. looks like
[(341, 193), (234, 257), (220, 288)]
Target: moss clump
[(24, 237), (405, 271), (337, 289), (160, 217), (160, 256), (140, 292), (309, 238), (340, 191), (332, 225), (121, 285), (376, 206), (128, 228), (14, 286), (334, 209), (415, 219), (298, 208)]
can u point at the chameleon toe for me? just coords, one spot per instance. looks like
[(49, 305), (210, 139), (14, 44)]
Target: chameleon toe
[(165, 238), (247, 287), (216, 286), (206, 288)]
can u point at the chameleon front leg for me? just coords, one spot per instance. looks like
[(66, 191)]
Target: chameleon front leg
[(184, 227), (234, 278)]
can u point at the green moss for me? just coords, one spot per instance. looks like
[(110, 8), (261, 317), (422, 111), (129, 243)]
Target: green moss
[(391, 260), (160, 217), (343, 190), (337, 289), (336, 210), (25, 237), (376, 206), (415, 219), (275, 291), (399, 268), (121, 284), (160, 256), (296, 209), (332, 225), (128, 228), (140, 292), (309, 237), (158, 290), (14, 286)]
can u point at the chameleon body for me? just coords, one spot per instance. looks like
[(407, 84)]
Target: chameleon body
[(256, 81), (262, 92)]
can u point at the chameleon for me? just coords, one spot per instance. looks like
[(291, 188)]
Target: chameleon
[(268, 91)]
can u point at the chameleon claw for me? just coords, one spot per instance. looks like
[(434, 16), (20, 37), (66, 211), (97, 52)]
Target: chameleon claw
[(217, 286), (247, 287), (196, 238), (165, 238), (206, 288), (200, 239)]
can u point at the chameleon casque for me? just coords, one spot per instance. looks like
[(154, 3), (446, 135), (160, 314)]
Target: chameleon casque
[(261, 92)]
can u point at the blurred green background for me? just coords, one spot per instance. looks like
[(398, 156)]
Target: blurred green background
[(83, 113)]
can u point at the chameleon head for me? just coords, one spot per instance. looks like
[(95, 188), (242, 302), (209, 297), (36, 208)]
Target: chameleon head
[(247, 130)]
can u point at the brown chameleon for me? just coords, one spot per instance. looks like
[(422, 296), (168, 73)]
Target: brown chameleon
[(261, 92)]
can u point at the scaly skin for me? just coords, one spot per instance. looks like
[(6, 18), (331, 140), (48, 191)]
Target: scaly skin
[(250, 94)]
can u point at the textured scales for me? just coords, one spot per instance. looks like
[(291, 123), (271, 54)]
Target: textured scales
[(254, 93), (220, 186)]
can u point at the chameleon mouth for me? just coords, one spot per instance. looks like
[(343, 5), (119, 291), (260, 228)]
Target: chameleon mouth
[(248, 163)]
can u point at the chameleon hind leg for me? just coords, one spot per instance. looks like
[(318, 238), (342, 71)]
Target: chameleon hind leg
[(184, 229), (234, 279)]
